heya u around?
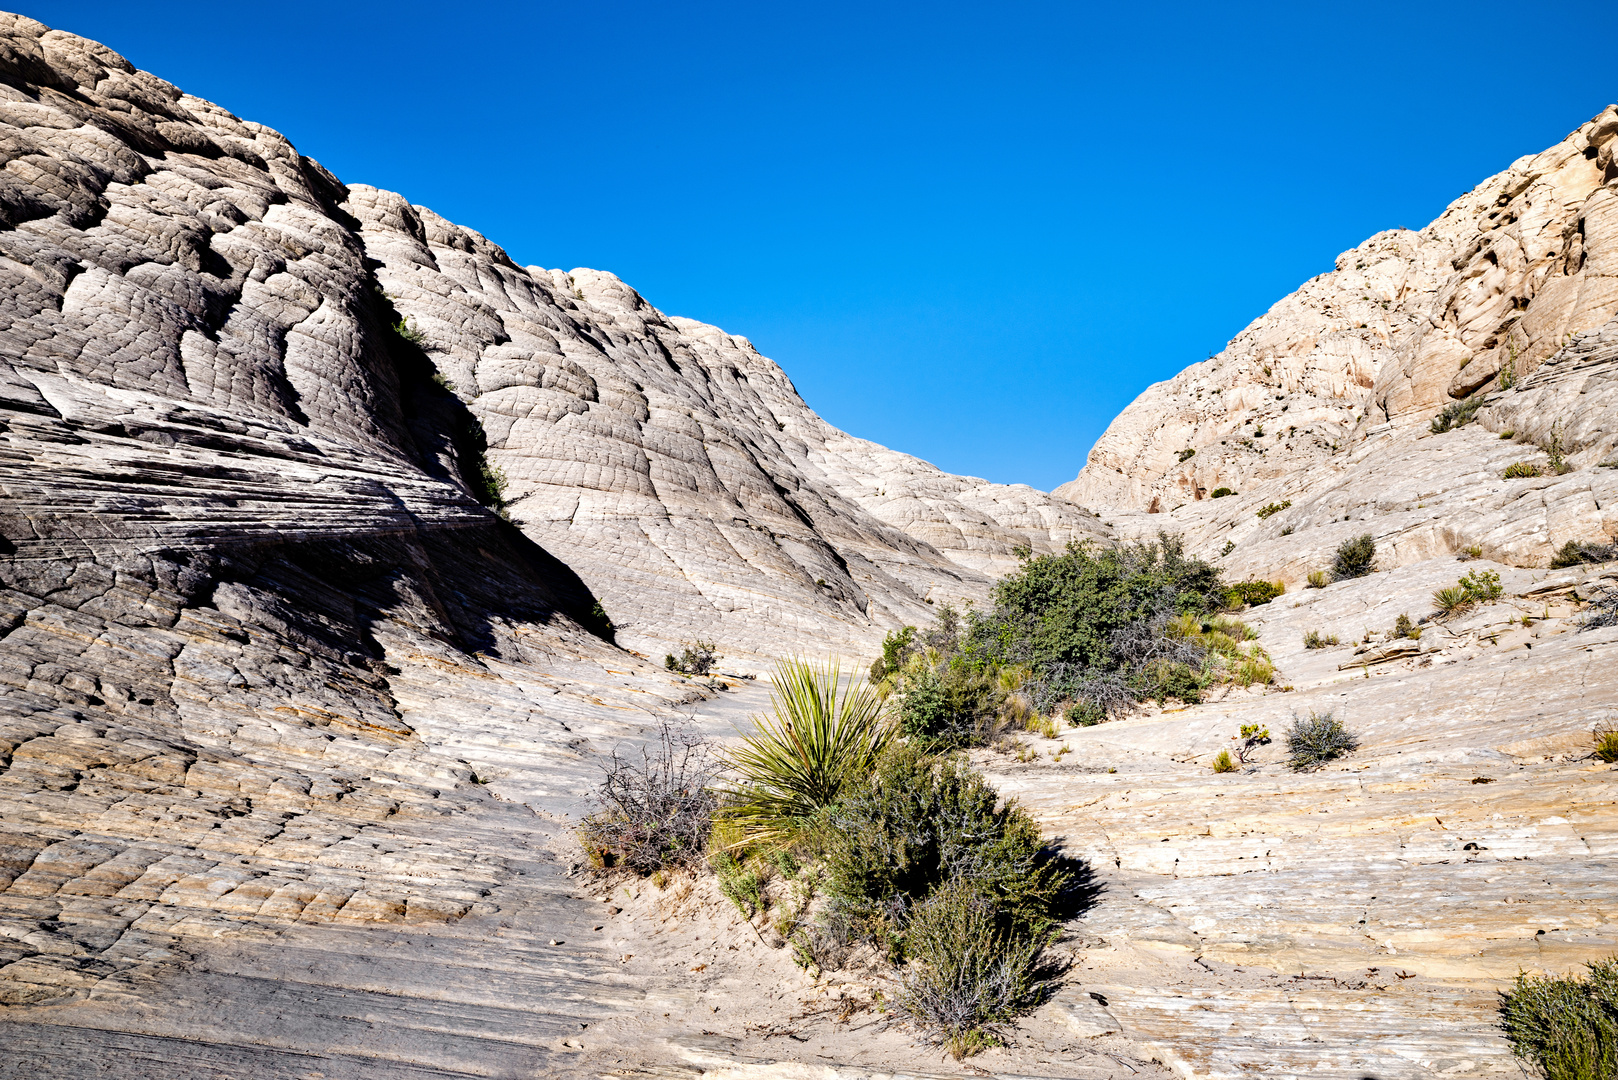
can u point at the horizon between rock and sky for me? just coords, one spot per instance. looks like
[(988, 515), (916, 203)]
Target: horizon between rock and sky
[(971, 234)]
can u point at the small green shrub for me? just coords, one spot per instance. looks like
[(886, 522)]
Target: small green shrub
[(1455, 415), (739, 885), (1318, 579), (1482, 586), (1314, 639), (1555, 451), (409, 333), (1286, 530), (1312, 742), (1354, 557), (1507, 434), (1451, 601), (1187, 454), (696, 658), (1084, 714), (1253, 592), (1521, 470), (919, 822), (1254, 669), (1221, 492), (1565, 1025), (970, 972), (1404, 627), (1273, 508), (897, 645), (1475, 551), (1605, 737), (822, 738), (1252, 737), (1223, 762), (1578, 552)]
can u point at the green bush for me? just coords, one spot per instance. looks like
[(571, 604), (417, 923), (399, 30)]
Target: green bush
[(1565, 1025), (1404, 627), (1354, 557), (1482, 586), (1577, 552), (1222, 492), (1273, 508), (1314, 639), (969, 973), (1223, 762), (952, 708), (1187, 454), (1521, 470), (1311, 743), (696, 658), (1319, 579), (1253, 592), (923, 820), (897, 645), (821, 739), (1605, 737), (1455, 415), (1084, 714)]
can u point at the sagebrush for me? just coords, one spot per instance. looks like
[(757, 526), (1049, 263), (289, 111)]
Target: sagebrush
[(654, 811), (1319, 738)]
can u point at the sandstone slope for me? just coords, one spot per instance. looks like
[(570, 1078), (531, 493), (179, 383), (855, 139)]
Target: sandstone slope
[(1325, 401)]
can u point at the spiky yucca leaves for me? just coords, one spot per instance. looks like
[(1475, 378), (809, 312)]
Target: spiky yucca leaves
[(822, 736)]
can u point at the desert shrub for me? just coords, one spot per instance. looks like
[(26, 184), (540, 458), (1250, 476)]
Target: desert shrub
[(822, 738), (1354, 558), (969, 973), (1286, 530), (1605, 737), (653, 812), (1187, 454), (1603, 611), (1319, 579), (1221, 492), (922, 820), (1482, 586), (1455, 415), (1404, 627), (896, 647), (1223, 762), (1084, 714), (1577, 552), (1555, 451), (1451, 601), (1253, 669), (1314, 741), (1252, 737), (1473, 551), (1314, 639), (951, 706), (1253, 592), (696, 658), (740, 885), (1565, 1025), (1273, 508), (1521, 470)]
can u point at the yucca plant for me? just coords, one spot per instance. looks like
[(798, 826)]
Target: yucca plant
[(1451, 601), (822, 736)]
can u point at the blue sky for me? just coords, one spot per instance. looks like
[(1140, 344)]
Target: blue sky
[(973, 232)]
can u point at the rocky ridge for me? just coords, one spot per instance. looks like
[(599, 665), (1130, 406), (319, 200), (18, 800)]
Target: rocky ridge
[(291, 725), (1324, 402)]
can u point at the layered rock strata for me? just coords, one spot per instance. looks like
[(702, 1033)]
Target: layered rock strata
[(1507, 301)]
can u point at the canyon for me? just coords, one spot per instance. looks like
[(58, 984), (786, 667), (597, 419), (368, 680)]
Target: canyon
[(336, 548)]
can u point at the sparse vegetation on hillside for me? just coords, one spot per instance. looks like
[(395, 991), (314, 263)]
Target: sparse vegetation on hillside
[(1565, 1025), (1577, 552), (1316, 740), (1314, 639), (1319, 579), (1354, 558), (1521, 470), (1475, 587), (1253, 592), (654, 811), (1269, 509), (696, 658), (1605, 737), (1221, 492), (1458, 414)]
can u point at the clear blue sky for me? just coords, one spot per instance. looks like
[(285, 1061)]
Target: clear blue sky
[(973, 232)]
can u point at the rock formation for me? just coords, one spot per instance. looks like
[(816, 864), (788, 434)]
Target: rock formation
[(1507, 299), (292, 720)]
